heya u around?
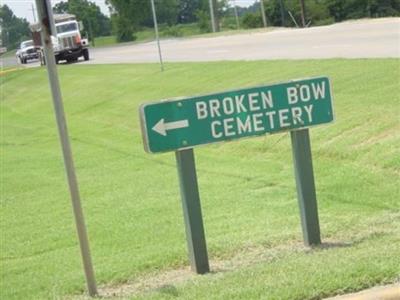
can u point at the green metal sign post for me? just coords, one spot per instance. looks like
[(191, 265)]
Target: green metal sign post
[(192, 211), (304, 175), (181, 124)]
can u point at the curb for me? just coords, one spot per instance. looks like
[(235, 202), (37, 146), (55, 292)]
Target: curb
[(4, 72), (388, 292)]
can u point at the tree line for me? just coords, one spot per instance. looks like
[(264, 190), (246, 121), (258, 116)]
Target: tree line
[(287, 13), (13, 29), (127, 17)]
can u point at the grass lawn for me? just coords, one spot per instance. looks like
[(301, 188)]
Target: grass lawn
[(103, 41), (147, 34), (178, 31), (131, 198)]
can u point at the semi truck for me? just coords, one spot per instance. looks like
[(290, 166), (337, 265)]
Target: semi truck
[(68, 43)]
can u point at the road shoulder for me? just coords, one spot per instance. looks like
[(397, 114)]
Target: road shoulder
[(387, 292)]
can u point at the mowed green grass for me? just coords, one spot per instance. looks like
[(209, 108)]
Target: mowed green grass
[(178, 31), (146, 34), (131, 199)]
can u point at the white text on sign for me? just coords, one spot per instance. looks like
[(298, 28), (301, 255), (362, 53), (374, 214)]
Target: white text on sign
[(259, 110)]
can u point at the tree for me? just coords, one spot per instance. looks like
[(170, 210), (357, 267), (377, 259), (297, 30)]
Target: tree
[(252, 20), (94, 21), (277, 12), (13, 29), (191, 11), (188, 10), (127, 15), (167, 13), (352, 9)]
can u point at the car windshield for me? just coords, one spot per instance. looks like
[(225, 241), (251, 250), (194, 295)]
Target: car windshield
[(26, 44), (67, 27)]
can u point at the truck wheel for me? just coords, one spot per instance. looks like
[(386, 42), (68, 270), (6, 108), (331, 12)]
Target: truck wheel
[(86, 54)]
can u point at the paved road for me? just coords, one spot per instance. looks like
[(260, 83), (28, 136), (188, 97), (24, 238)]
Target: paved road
[(388, 292), (8, 61), (355, 39), (11, 61)]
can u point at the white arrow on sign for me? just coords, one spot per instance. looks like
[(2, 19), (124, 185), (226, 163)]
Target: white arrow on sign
[(161, 127)]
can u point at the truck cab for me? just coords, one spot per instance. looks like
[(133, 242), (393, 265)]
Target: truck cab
[(26, 52), (69, 45)]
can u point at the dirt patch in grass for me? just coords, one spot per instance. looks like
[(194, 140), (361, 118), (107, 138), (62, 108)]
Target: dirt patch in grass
[(150, 282), (167, 280), (388, 134), (245, 257)]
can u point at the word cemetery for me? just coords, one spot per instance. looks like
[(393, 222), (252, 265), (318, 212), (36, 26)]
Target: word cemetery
[(183, 123)]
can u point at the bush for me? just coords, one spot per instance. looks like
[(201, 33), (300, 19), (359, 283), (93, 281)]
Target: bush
[(252, 20), (203, 21), (172, 31), (229, 23), (323, 22), (123, 29)]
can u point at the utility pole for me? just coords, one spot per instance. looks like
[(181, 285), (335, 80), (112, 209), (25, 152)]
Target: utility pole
[(303, 13), (264, 18), (91, 34), (236, 14), (211, 3), (46, 20), (33, 12), (153, 8), (282, 7), (216, 18)]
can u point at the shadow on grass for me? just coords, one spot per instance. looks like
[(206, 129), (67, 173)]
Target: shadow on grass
[(168, 289), (330, 245), (165, 282)]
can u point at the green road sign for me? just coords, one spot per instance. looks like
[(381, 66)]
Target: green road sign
[(185, 123)]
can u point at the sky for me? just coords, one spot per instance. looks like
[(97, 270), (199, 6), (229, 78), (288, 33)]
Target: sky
[(23, 8)]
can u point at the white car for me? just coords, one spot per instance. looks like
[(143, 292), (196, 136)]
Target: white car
[(26, 51)]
